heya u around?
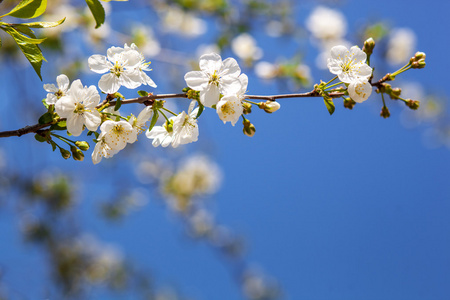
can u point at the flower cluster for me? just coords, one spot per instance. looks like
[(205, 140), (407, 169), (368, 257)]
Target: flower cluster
[(351, 68), (124, 66)]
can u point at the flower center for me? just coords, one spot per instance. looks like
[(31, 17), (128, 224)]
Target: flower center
[(214, 79), (118, 129), (227, 109), (79, 108), (117, 69), (59, 94)]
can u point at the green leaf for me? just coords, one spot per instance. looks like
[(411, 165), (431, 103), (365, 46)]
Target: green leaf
[(25, 30), (97, 11), (46, 118), (61, 125), (40, 138), (329, 104), (154, 119), (142, 93), (41, 24), (201, 107), (53, 145), (29, 48), (118, 104), (28, 9)]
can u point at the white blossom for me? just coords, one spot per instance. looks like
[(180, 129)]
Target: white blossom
[(162, 135), (230, 108), (266, 70), (185, 128), (55, 93), (142, 66), (401, 44), (359, 90), (118, 134), (123, 67), (78, 107), (349, 65), (138, 123), (244, 46), (102, 149), (325, 23), (216, 77)]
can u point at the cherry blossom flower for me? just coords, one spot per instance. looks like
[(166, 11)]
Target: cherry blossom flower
[(230, 108), (78, 107), (185, 128), (325, 23), (216, 77), (349, 65), (244, 46), (162, 135), (142, 66), (118, 134), (138, 123), (359, 90), (124, 66), (55, 93), (102, 149), (401, 44)]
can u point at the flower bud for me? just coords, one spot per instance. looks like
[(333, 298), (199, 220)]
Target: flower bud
[(349, 103), (385, 112), (395, 93), (64, 153), (249, 129), (413, 104), (369, 44), (271, 106), (82, 145), (247, 108), (419, 56), (169, 126), (78, 155)]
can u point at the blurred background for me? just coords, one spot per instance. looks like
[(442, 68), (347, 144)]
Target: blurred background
[(313, 206)]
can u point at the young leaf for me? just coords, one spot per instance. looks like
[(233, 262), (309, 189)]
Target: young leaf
[(201, 107), (154, 119), (28, 9), (329, 104), (42, 24), (118, 104), (97, 11), (40, 138), (29, 48), (142, 93), (46, 118)]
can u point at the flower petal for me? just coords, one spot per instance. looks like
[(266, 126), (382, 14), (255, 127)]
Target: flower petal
[(197, 80), (74, 124), (230, 67), (210, 96), (210, 62), (63, 82), (109, 83), (99, 64)]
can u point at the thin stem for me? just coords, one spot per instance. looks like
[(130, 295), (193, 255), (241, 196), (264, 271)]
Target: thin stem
[(333, 79), (333, 85), (168, 110), (251, 102), (164, 115), (64, 139)]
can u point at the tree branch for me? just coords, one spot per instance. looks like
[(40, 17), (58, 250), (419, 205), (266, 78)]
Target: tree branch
[(150, 98)]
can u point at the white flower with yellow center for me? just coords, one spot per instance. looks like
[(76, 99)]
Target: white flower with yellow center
[(55, 93), (216, 77), (121, 67), (142, 66), (349, 65), (102, 149), (185, 128), (138, 123), (162, 135), (230, 108), (78, 107), (359, 90), (118, 134)]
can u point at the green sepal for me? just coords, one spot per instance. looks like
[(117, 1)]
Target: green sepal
[(40, 138), (53, 145), (97, 11), (329, 104), (61, 125), (46, 118), (95, 133), (154, 120), (44, 101), (142, 93), (28, 9), (201, 108), (118, 104)]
